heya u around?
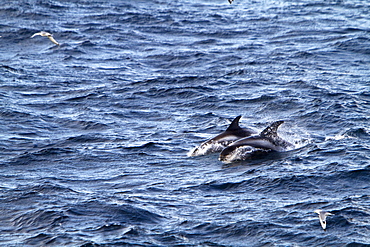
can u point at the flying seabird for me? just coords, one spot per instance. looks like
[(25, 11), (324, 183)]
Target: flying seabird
[(322, 216), (46, 34)]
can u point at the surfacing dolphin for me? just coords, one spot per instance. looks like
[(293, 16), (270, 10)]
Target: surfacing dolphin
[(248, 147), (219, 142)]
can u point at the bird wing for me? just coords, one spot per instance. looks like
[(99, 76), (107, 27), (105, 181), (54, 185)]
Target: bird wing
[(53, 40), (35, 35), (322, 220)]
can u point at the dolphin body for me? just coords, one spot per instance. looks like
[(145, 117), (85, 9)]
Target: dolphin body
[(248, 147), (219, 142)]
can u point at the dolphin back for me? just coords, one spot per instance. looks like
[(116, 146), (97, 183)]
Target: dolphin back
[(234, 129), (234, 124), (271, 134), (271, 131)]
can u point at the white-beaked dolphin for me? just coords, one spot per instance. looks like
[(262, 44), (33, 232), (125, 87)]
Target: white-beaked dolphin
[(322, 216), (219, 142), (46, 34), (245, 148)]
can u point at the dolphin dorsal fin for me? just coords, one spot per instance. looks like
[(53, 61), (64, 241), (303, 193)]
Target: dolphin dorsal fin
[(271, 131), (235, 124)]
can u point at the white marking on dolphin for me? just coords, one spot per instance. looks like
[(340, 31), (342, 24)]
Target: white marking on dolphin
[(245, 148), (219, 142), (322, 216)]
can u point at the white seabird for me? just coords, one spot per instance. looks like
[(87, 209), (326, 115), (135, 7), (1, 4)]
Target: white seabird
[(322, 216), (46, 34)]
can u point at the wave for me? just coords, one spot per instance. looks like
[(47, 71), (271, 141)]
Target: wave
[(112, 213), (94, 131)]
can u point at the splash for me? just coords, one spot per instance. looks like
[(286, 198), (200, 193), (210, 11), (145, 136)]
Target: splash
[(295, 135), (336, 137)]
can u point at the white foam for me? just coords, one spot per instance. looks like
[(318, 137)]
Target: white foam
[(336, 137)]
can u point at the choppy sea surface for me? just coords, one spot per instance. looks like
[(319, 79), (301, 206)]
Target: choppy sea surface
[(95, 132)]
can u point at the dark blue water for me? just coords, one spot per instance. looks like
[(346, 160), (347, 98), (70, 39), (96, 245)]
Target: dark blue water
[(95, 132)]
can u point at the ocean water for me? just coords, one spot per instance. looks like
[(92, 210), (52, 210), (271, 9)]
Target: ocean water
[(95, 131)]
